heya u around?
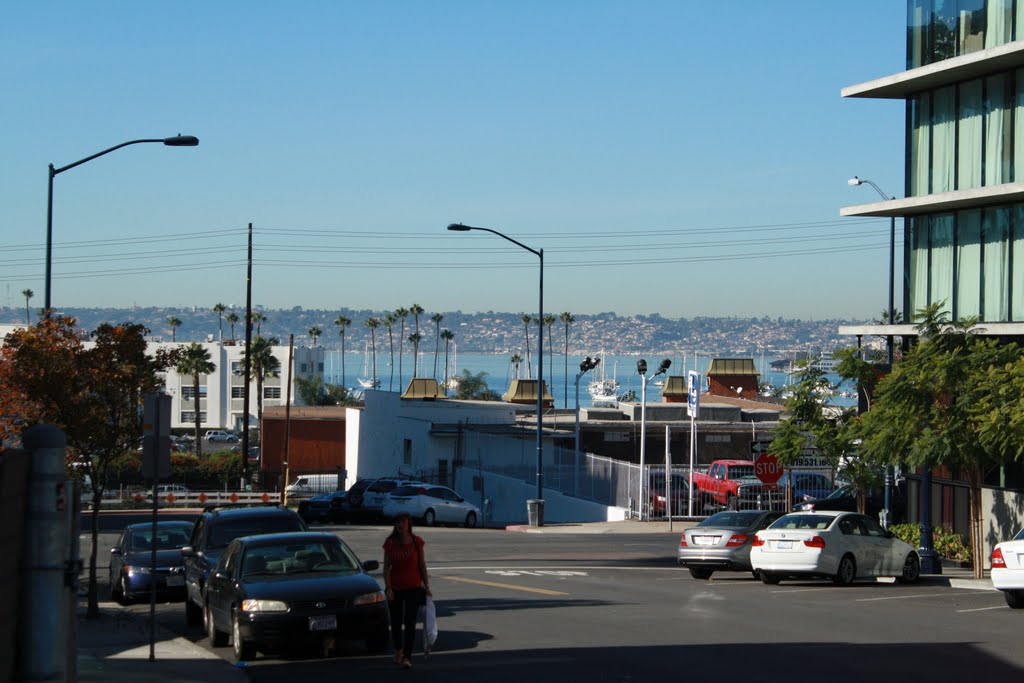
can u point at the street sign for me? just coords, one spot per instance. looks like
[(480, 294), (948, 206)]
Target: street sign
[(156, 439), (760, 446), (767, 468), (693, 389)]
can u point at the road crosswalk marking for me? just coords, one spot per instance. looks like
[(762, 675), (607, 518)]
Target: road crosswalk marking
[(494, 584)]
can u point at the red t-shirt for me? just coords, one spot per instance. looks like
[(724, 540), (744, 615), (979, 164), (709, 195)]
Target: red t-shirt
[(405, 562)]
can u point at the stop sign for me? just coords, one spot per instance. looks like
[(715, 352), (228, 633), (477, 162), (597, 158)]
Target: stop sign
[(767, 468)]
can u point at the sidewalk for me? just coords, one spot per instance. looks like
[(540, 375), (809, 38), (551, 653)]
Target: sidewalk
[(115, 646)]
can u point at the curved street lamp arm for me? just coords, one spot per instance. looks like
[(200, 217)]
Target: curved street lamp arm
[(462, 228), (99, 154), (872, 184)]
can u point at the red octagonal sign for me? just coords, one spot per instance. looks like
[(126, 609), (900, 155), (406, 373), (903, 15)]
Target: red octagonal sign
[(767, 468)]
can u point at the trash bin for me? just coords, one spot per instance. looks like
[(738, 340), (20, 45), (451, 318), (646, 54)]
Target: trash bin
[(535, 512)]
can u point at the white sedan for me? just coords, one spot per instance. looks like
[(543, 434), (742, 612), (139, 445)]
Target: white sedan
[(1008, 570), (432, 504), (841, 546)]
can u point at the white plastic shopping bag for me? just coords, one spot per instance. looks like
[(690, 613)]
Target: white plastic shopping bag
[(429, 624)]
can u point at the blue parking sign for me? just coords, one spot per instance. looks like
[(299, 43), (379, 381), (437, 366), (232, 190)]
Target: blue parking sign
[(693, 388)]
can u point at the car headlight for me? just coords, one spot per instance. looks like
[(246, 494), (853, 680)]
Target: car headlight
[(138, 569), (368, 598), (264, 606)]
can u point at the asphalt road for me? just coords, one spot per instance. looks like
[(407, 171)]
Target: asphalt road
[(612, 607)]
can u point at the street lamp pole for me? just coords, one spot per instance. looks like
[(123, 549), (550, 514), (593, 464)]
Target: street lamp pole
[(175, 141), (539, 253), (641, 368), (585, 367)]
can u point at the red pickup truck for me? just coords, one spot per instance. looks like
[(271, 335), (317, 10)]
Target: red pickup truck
[(732, 484)]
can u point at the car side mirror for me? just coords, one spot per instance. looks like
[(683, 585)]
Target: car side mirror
[(115, 551), (188, 551), (220, 575), (370, 565)]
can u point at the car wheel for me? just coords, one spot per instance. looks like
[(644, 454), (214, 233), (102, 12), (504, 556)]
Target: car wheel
[(429, 518), (769, 579), (470, 520), (1014, 599), (846, 572), (217, 638), (123, 596), (911, 569), (378, 642), (193, 614), (244, 651), (699, 573)]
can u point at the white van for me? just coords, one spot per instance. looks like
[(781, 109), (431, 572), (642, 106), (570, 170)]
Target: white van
[(313, 484)]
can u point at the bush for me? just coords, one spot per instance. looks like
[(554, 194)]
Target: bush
[(948, 544)]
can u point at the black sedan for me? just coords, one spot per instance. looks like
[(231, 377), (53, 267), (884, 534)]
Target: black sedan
[(318, 508), (131, 561), (280, 590), (844, 499)]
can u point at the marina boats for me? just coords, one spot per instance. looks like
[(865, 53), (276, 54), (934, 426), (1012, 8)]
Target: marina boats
[(366, 381), (604, 392)]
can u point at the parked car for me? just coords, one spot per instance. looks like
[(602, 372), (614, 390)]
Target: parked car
[(349, 507), (163, 489), (131, 560), (213, 435), (313, 484), (845, 498), (432, 504), (318, 508), (212, 533), (1008, 570), (680, 494), (841, 546), (732, 484), (275, 591), (722, 542), (806, 486), (378, 491)]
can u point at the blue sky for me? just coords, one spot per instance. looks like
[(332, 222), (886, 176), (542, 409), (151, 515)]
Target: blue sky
[(686, 158)]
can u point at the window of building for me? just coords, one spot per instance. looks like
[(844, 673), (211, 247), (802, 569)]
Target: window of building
[(237, 367), (995, 265), (320, 367), (189, 416), (407, 451), (271, 392), (302, 367), (941, 29), (238, 392), (188, 395)]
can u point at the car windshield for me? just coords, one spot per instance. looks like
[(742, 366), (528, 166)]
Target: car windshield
[(281, 559), (226, 531), (811, 481), (845, 492), (803, 522), (166, 539), (737, 520), (740, 471)]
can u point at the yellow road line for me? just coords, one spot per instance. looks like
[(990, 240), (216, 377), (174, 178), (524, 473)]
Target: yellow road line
[(493, 584)]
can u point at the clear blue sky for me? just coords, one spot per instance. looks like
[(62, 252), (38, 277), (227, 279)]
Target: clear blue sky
[(629, 140)]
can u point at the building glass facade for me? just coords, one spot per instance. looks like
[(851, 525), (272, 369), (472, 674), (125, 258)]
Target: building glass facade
[(941, 29)]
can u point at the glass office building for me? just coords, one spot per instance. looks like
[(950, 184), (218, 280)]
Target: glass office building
[(963, 210)]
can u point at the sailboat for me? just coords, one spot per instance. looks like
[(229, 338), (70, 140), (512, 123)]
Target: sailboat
[(453, 380), (603, 391), (371, 382)]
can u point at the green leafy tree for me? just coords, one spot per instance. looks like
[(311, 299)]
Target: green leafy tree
[(232, 318), (263, 364), (474, 387), (194, 360), (174, 323), (219, 309), (342, 323), (28, 294), (314, 391), (567, 319), (436, 318), (938, 408)]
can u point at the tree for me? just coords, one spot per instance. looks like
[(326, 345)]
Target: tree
[(401, 314), (549, 322), (314, 391), (373, 324), (263, 364), (315, 333), (232, 318), (219, 309), (28, 294), (939, 408), (258, 319), (474, 387), (526, 331), (94, 395), (389, 322), (516, 359), (194, 360), (448, 336), (174, 322), (436, 318), (567, 319), (342, 323), (416, 310), (414, 339)]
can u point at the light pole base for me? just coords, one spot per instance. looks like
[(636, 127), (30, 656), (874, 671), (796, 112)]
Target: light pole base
[(535, 512), (931, 563)]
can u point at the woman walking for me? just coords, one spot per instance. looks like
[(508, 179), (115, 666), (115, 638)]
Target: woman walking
[(406, 585)]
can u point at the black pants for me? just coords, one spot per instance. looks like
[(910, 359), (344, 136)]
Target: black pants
[(404, 609)]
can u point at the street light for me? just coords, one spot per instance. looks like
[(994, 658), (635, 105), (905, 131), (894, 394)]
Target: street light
[(175, 141), (586, 366), (539, 253), (854, 181), (641, 368)]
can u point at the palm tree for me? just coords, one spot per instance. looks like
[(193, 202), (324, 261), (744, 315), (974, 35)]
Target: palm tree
[(416, 311), (28, 294), (232, 318), (175, 323), (342, 323), (401, 314), (219, 310), (258, 319), (264, 364), (516, 359), (389, 322), (315, 333), (549, 321), (526, 330), (195, 361), (567, 319), (447, 335), (415, 338), (373, 324), (475, 387), (437, 318)]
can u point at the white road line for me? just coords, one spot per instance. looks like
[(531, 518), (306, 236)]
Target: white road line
[(806, 590), (923, 595), (980, 609), (436, 568)]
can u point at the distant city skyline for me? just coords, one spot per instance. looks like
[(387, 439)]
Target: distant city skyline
[(669, 157)]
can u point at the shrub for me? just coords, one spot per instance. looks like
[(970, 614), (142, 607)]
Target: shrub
[(946, 543)]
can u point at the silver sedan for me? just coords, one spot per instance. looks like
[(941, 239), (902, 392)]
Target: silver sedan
[(722, 541)]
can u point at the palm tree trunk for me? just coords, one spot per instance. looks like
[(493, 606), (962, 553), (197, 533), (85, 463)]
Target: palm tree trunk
[(529, 365), (391, 347), (437, 345), (401, 352), (565, 399), (445, 366), (343, 360), (373, 345)]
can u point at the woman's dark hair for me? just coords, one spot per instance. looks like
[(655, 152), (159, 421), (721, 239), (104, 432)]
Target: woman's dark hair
[(395, 533)]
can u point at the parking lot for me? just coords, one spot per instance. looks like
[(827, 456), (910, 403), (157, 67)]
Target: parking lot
[(610, 606)]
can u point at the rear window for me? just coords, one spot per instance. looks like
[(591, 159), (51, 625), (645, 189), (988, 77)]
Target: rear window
[(732, 519), (383, 486), (224, 532), (803, 522), (407, 491)]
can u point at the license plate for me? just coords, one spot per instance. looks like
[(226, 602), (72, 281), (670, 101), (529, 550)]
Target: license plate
[(328, 623), (784, 545), (704, 540), (175, 581)]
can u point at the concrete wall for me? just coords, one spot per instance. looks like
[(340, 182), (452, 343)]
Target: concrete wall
[(1003, 516), (508, 498)]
